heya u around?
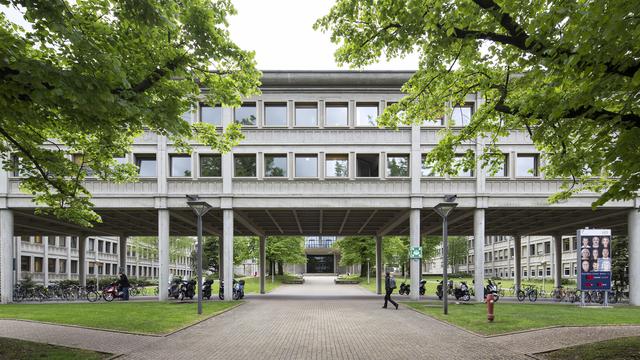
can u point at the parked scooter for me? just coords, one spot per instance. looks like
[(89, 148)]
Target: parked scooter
[(238, 290), (439, 290), (174, 288), (110, 292), (462, 292), (422, 286), (492, 288), (187, 289), (404, 289), (206, 289)]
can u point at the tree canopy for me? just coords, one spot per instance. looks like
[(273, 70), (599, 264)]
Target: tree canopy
[(285, 249), (87, 77), (566, 73), (357, 250)]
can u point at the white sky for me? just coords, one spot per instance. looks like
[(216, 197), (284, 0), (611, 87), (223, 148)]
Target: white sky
[(281, 34)]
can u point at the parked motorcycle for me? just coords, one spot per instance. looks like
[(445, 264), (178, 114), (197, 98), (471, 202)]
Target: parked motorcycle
[(238, 290), (174, 288), (206, 289), (187, 289), (404, 289), (422, 287), (439, 290), (492, 288), (462, 292), (110, 292)]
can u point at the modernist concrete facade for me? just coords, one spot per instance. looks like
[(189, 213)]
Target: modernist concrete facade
[(48, 259), (312, 163)]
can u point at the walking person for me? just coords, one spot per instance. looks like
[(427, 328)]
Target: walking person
[(389, 286), (124, 285)]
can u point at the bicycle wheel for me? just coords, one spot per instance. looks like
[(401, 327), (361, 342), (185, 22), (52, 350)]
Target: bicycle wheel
[(92, 296), (520, 295), (533, 295), (587, 297)]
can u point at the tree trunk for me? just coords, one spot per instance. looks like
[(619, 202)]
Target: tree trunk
[(280, 270), (363, 269), (402, 269)]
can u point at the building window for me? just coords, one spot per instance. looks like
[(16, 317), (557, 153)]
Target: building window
[(51, 240), (107, 269), (527, 165), (245, 114), (83, 163), (367, 165), (275, 165), (366, 114), (74, 242), (211, 114), (37, 264), (244, 165), (397, 165), (180, 165), (62, 266), (146, 164), (306, 165), (336, 114), (503, 167), (540, 272), (461, 115), (307, 114), (107, 247), (567, 270), (51, 265), (37, 239), (337, 165), (547, 247), (186, 116), (511, 252), (92, 268), (462, 172), (115, 248), (62, 241), (74, 266), (275, 114), (25, 263), (91, 245), (532, 249), (100, 246), (114, 268), (566, 245), (548, 271), (524, 272), (427, 169), (210, 165)]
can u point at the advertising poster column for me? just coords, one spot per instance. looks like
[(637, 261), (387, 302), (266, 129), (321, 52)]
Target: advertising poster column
[(594, 261)]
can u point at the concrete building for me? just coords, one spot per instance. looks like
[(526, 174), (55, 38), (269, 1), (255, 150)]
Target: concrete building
[(48, 259), (313, 162)]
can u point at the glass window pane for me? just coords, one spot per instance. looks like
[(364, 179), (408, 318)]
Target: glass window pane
[(306, 115), (366, 114), (306, 165), (397, 165), (211, 114), (461, 115), (186, 116), (146, 165), (502, 168), (180, 165), (337, 165), (275, 114), (336, 115), (245, 114), (367, 165), (244, 165), (275, 165), (427, 170), (462, 172), (526, 165), (211, 165)]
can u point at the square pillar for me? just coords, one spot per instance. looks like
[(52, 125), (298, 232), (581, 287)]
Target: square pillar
[(478, 250), (634, 257), (220, 259), (557, 260), (163, 254), (228, 253), (379, 266), (414, 234), (68, 267), (6, 254), (122, 254), (517, 262), (263, 259), (82, 260), (45, 260)]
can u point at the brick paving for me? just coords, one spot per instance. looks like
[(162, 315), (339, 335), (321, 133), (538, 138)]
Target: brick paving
[(317, 320)]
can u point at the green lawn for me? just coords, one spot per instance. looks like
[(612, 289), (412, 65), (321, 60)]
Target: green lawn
[(432, 282), (617, 349), (27, 350), (514, 317), (252, 284), (149, 317)]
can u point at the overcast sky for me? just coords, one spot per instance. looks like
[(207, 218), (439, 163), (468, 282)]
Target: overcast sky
[(280, 33)]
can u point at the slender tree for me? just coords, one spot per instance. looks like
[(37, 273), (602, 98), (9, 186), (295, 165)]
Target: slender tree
[(355, 250)]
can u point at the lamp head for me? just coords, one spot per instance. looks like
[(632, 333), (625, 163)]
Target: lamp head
[(445, 208)]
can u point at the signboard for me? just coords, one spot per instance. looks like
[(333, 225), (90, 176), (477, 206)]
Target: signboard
[(594, 259), (415, 252)]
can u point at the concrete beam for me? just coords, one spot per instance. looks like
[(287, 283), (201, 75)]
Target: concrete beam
[(344, 221), (274, 221), (246, 222), (295, 216), (373, 213), (393, 223)]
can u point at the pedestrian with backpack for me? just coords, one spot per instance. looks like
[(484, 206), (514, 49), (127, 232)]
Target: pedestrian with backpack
[(389, 286)]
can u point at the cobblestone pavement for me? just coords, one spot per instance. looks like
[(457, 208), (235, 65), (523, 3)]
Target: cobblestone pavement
[(317, 320)]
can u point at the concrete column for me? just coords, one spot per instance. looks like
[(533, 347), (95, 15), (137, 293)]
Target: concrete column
[(379, 266), (228, 253), (478, 241), (6, 254), (45, 260), (82, 259), (414, 231), (18, 254), (163, 253), (517, 261), (68, 268), (557, 260), (263, 260), (220, 259), (122, 253), (634, 257)]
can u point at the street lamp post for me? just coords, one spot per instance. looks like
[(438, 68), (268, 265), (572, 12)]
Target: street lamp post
[(444, 209), (368, 271), (200, 208)]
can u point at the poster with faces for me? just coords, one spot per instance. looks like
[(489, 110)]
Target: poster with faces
[(595, 253)]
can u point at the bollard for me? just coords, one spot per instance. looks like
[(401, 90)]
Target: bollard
[(489, 300)]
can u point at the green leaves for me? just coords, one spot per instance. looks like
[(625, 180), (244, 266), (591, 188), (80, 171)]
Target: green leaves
[(566, 74), (93, 75)]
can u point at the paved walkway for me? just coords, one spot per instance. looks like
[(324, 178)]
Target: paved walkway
[(309, 322)]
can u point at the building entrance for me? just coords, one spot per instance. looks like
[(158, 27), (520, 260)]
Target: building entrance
[(320, 264)]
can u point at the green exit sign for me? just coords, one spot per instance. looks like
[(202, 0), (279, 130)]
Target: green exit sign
[(415, 252)]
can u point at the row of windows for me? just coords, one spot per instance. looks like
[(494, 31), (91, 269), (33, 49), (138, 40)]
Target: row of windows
[(306, 114), (533, 271), (53, 265), (59, 266), (306, 165)]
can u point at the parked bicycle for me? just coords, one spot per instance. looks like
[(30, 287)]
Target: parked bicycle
[(530, 292)]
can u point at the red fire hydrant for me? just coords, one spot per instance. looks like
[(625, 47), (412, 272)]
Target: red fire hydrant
[(489, 300)]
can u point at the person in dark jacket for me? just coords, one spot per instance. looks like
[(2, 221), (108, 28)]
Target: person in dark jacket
[(389, 286), (123, 284)]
